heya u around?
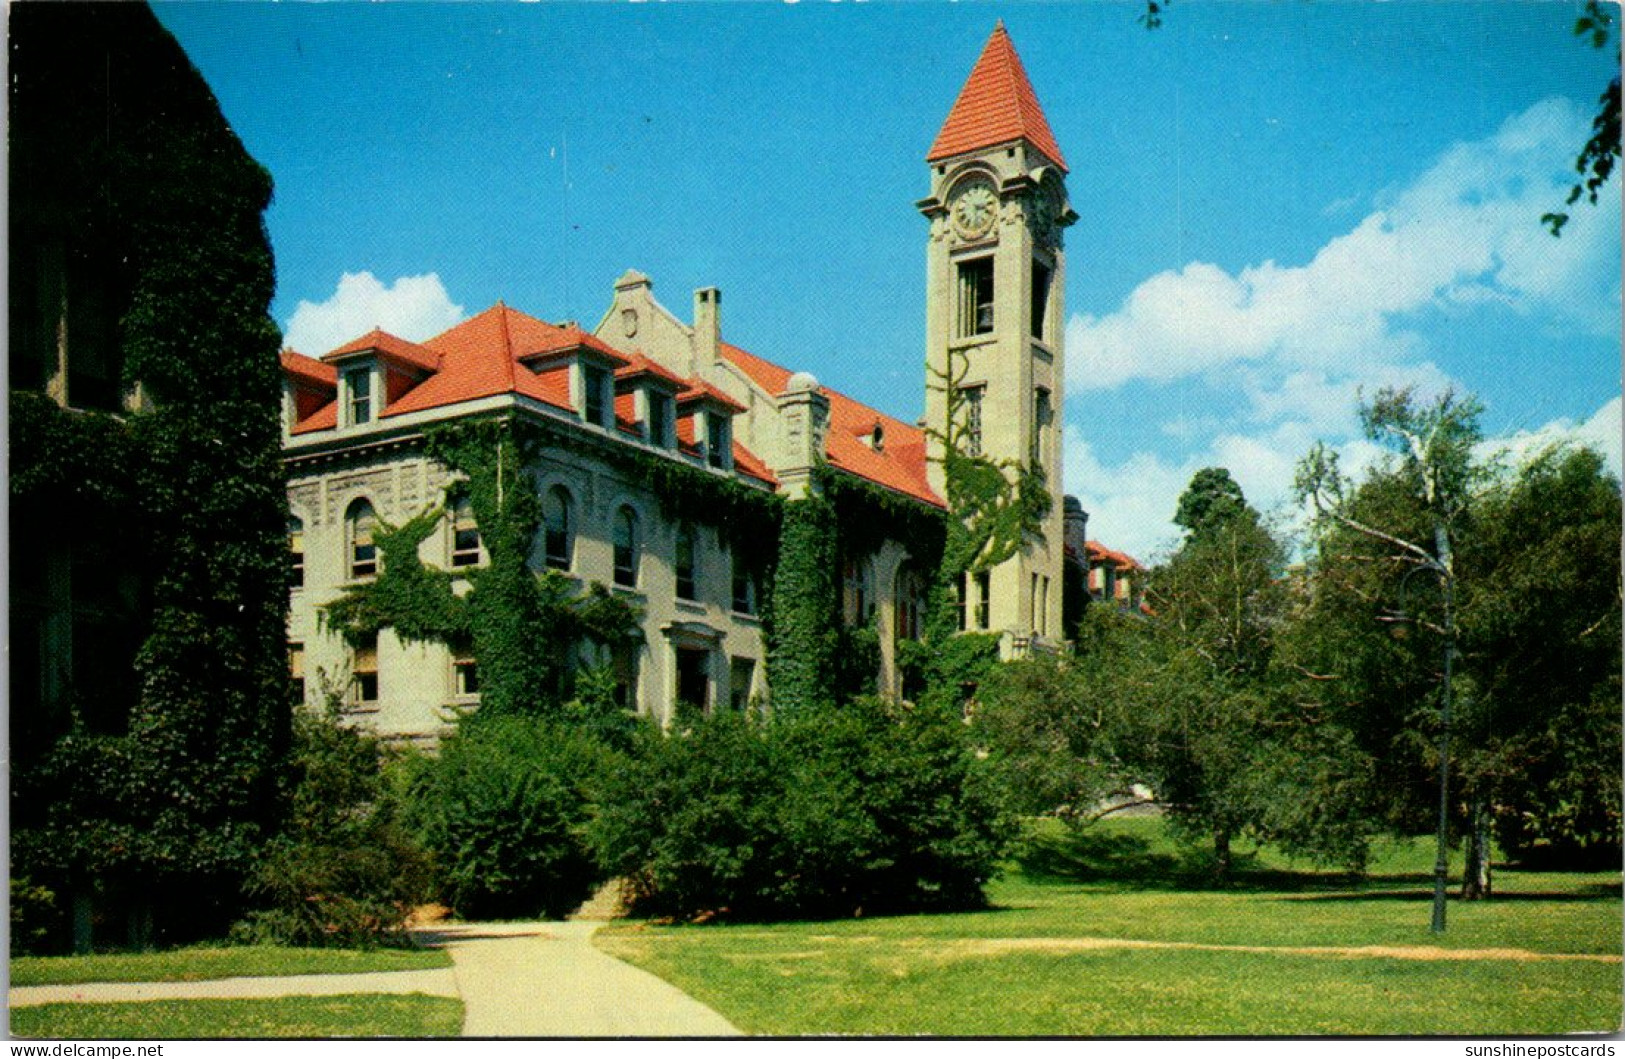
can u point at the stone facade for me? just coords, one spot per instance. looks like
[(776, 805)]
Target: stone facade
[(676, 390)]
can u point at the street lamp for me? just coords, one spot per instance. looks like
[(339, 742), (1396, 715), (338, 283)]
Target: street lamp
[(1447, 586)]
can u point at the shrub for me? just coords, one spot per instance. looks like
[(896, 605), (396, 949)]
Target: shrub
[(344, 871), (36, 918), (870, 807), (503, 808)]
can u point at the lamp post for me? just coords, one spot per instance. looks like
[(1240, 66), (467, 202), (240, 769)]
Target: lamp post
[(1447, 587)]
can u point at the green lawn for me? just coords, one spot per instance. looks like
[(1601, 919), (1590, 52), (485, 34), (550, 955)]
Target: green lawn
[(326, 1016), (1021, 968), (196, 963)]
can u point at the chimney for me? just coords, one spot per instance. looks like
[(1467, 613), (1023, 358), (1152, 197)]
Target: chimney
[(1075, 526), (707, 327)]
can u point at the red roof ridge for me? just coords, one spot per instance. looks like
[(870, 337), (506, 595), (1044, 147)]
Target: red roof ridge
[(638, 363), (507, 343), (392, 346), (996, 105)]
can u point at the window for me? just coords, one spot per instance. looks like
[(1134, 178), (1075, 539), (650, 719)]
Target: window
[(626, 547), (296, 673), (693, 679), (910, 604), (860, 603), (296, 549), (970, 400), (1043, 415), (558, 523), (975, 297), (624, 662), (741, 672), (984, 599), (961, 594), (465, 535), (465, 675), (1043, 606), (744, 582), (685, 562), (660, 419), (1040, 302), (360, 522), (364, 672), (595, 406), (359, 383), (718, 448)]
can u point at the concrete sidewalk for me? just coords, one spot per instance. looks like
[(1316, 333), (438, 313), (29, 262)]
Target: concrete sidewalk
[(439, 981), (547, 980)]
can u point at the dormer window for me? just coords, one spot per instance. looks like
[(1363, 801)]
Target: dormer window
[(596, 398), (358, 395), (718, 443), (660, 418)]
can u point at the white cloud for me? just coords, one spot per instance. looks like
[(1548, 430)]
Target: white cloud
[(413, 307), (1602, 432), (1131, 504), (1301, 343), (1463, 233)]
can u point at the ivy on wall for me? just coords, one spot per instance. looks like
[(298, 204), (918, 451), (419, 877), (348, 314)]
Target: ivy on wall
[(996, 507), (521, 626), (134, 177), (802, 653)]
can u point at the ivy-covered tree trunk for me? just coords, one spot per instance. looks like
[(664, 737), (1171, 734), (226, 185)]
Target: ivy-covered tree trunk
[(1475, 880), (802, 656)]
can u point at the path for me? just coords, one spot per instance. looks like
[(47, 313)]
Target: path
[(515, 980), (547, 980)]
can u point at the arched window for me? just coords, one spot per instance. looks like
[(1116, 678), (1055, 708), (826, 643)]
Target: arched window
[(685, 562), (360, 522), (558, 520), (296, 549), (465, 535), (626, 547)]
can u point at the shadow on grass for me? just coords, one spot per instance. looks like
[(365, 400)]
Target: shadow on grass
[(1119, 860), (1115, 860)]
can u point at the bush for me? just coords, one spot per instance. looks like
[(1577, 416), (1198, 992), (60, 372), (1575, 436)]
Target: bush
[(344, 871), (870, 807), (503, 808), (36, 918)]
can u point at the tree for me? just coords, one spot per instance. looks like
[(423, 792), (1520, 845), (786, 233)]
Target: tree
[(1190, 701), (1211, 499), (1541, 630), (1520, 572), (1596, 160)]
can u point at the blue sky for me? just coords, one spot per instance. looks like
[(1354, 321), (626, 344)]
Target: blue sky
[(1280, 204)]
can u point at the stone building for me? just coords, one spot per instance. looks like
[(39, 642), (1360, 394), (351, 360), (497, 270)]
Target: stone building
[(644, 379)]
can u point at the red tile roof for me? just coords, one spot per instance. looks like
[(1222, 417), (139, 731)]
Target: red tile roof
[(997, 105), (1100, 553), (309, 369), (640, 365), (900, 465), (699, 390), (390, 346), (484, 356)]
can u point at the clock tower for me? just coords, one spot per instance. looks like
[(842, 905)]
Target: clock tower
[(995, 276)]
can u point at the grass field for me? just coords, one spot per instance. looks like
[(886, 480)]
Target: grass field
[(325, 1016), (196, 963), (1050, 959)]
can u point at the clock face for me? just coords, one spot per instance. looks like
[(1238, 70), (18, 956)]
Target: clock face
[(974, 209)]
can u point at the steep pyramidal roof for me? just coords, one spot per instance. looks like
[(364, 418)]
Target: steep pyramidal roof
[(997, 105)]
